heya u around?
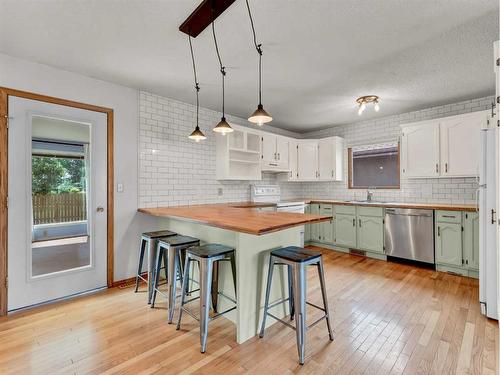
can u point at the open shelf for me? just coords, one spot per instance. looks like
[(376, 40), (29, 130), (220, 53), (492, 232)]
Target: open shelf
[(243, 161)]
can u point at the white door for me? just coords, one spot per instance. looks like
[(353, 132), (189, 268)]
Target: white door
[(420, 150), (282, 152), (292, 159), (460, 143), (326, 159), (307, 160), (269, 156), (57, 225)]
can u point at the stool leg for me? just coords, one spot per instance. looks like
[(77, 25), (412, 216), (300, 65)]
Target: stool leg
[(268, 291), (325, 300), (141, 259), (299, 292), (151, 249), (185, 282), (233, 269), (215, 286), (156, 274), (290, 292), (173, 266), (205, 286)]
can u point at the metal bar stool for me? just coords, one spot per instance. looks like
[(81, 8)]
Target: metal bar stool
[(148, 244), (206, 256), (297, 259), (172, 247)]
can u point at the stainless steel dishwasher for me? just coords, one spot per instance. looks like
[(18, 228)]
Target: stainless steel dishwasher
[(409, 234)]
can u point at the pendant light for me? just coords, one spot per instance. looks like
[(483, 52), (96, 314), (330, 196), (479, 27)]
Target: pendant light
[(260, 116), (197, 135), (222, 127)]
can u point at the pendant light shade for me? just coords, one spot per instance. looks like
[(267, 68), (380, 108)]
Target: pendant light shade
[(223, 127), (260, 116), (197, 135)]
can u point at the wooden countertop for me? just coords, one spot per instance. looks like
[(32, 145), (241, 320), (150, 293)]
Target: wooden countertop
[(238, 217), (426, 206)]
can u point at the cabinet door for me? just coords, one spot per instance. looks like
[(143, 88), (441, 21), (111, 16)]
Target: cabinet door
[(269, 157), (307, 227), (420, 150), (449, 243), (471, 240), (315, 228), (292, 159), (282, 152), (326, 227), (460, 144), (307, 160), (345, 230), (370, 233), (326, 162)]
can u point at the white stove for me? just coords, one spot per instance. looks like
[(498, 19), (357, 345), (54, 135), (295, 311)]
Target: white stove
[(272, 194)]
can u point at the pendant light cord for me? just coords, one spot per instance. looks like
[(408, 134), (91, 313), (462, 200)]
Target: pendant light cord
[(258, 47), (222, 68), (196, 84)]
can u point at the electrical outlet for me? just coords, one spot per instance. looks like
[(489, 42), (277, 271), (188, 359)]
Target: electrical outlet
[(119, 188), (220, 192)]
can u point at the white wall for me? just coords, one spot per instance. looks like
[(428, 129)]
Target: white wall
[(41, 79)]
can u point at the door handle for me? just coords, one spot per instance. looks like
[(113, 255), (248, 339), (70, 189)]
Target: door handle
[(439, 231), (437, 168), (353, 222), (493, 216), (100, 209), (360, 223), (446, 167)]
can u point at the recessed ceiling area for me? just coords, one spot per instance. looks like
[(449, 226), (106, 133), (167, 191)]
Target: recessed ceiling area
[(319, 55)]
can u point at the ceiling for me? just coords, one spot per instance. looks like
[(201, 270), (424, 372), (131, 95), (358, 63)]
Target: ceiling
[(319, 55)]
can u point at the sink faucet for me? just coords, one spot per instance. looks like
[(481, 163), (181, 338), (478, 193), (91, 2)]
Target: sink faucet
[(369, 195)]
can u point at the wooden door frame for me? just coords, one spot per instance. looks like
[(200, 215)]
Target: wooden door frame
[(4, 175)]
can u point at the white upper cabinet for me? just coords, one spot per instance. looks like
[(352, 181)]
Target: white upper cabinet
[(274, 152), (238, 155), (307, 160), (460, 143), (330, 159), (292, 159), (420, 150), (446, 147)]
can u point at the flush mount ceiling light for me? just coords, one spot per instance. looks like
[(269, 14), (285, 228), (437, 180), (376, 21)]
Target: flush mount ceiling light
[(367, 99), (222, 127), (260, 116), (197, 135)]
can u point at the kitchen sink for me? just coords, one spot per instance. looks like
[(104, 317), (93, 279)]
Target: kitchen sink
[(365, 202)]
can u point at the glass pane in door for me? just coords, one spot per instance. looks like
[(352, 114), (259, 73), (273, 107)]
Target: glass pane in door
[(60, 191)]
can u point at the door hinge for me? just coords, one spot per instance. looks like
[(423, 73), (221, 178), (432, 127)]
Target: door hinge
[(6, 281), (7, 201), (7, 120)]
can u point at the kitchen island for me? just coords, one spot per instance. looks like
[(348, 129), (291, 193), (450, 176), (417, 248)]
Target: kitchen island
[(253, 234)]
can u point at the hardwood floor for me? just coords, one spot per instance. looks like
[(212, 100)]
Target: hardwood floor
[(387, 318)]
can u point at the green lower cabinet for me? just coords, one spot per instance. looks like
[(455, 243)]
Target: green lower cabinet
[(345, 230), (471, 240), (448, 238), (371, 234), (326, 228), (307, 227), (315, 228)]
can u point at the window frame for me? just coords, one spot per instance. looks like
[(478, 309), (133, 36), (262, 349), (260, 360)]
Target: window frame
[(349, 174)]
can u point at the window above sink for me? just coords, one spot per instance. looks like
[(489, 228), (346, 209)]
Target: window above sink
[(374, 167)]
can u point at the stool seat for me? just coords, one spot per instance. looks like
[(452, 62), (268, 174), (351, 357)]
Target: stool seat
[(178, 240), (158, 234), (296, 254), (210, 250)]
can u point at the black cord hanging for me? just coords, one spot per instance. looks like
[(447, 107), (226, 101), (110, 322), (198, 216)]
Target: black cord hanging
[(260, 116), (197, 134)]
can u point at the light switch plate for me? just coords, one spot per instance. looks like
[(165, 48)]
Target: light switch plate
[(119, 188)]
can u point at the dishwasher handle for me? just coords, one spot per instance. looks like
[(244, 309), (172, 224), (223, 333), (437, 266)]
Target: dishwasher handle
[(408, 212)]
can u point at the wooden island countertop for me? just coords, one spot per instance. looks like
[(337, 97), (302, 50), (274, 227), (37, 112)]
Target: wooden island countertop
[(239, 217)]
